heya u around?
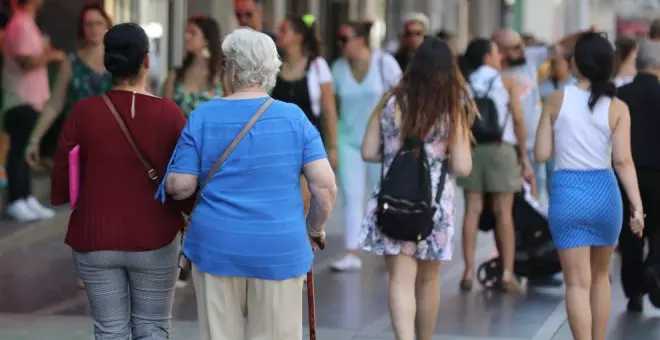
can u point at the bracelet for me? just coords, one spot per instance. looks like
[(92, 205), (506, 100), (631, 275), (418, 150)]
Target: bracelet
[(315, 234)]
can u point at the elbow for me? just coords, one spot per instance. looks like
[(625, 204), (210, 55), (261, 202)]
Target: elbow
[(623, 163), (370, 156), (541, 156), (462, 168), (180, 186)]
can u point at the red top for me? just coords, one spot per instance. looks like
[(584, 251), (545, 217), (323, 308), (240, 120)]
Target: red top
[(116, 209)]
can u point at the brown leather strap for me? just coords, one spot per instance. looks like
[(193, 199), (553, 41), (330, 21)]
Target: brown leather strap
[(231, 148), (151, 171)]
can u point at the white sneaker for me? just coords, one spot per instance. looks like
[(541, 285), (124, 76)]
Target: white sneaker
[(19, 211), (39, 210), (349, 262)]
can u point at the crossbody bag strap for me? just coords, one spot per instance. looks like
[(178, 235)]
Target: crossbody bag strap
[(231, 147), (441, 181), (151, 171)]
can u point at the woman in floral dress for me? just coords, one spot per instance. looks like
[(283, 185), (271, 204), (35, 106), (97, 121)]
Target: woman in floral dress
[(432, 92), (82, 77), (198, 79)]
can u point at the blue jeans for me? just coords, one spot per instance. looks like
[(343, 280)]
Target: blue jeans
[(542, 172)]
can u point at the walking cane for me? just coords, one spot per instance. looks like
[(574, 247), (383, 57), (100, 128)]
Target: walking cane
[(311, 305)]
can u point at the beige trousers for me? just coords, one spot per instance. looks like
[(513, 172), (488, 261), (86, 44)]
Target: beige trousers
[(238, 308)]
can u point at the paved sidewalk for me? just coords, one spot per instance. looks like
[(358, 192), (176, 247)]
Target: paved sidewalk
[(40, 301)]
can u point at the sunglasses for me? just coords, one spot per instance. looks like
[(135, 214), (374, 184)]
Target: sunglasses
[(240, 15), (344, 39), (409, 34)]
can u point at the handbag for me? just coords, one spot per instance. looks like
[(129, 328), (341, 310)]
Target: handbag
[(184, 262), (151, 171)]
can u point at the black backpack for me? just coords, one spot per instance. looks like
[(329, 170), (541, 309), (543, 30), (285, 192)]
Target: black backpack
[(486, 128), (405, 209)]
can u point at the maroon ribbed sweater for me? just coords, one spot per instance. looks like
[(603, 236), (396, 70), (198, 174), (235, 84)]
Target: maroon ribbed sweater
[(116, 209)]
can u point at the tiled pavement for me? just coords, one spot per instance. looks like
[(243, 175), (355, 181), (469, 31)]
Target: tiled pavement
[(39, 300)]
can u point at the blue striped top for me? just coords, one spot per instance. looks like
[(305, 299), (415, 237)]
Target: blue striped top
[(250, 220)]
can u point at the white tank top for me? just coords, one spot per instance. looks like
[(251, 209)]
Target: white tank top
[(480, 80), (582, 137)]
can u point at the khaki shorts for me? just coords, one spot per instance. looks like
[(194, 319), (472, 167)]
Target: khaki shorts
[(495, 169)]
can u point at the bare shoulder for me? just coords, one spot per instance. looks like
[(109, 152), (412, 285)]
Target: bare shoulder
[(509, 82), (618, 106)]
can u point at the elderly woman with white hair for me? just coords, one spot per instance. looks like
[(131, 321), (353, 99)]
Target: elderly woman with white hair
[(248, 239)]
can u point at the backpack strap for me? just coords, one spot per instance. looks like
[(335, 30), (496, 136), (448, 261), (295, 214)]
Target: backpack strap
[(442, 180)]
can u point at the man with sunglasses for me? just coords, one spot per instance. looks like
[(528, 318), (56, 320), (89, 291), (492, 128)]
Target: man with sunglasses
[(415, 27), (249, 13), (521, 63)]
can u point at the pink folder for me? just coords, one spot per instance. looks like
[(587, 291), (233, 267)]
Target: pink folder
[(74, 175)]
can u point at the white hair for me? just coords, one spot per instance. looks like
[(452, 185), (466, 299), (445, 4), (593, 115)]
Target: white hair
[(416, 17), (251, 57)]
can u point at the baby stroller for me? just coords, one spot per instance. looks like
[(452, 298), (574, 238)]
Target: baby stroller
[(536, 256)]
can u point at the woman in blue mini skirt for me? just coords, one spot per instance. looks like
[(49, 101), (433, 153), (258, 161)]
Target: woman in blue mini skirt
[(588, 129)]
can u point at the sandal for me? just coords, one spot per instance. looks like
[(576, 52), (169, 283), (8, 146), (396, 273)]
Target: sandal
[(466, 285), (511, 286)]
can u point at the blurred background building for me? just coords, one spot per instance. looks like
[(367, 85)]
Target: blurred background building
[(547, 20)]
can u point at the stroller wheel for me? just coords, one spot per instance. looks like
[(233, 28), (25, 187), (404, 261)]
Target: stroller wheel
[(489, 273)]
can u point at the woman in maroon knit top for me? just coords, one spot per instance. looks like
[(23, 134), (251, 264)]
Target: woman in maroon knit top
[(123, 240)]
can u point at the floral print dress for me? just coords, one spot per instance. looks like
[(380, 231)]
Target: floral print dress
[(438, 245), (85, 81), (188, 101)]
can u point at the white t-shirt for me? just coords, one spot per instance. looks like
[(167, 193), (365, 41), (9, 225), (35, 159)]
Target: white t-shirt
[(318, 73), (358, 99)]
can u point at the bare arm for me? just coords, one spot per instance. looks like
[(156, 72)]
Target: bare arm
[(329, 115), (168, 87), (371, 143), (461, 151), (544, 146), (517, 115), (55, 103), (622, 157), (323, 189), (181, 186)]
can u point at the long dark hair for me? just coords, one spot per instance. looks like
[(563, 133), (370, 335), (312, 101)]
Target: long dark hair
[(311, 42), (431, 90), (211, 32), (594, 57), (362, 29), (474, 55), (81, 19), (624, 47)]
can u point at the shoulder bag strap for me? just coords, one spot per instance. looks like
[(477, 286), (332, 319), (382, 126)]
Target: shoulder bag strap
[(231, 147), (381, 68), (441, 181), (151, 171)]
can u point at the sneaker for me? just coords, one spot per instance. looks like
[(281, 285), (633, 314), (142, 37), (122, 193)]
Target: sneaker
[(39, 210), (349, 262), (181, 283), (19, 211)]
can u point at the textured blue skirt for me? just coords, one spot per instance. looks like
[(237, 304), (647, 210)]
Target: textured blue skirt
[(585, 209)]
